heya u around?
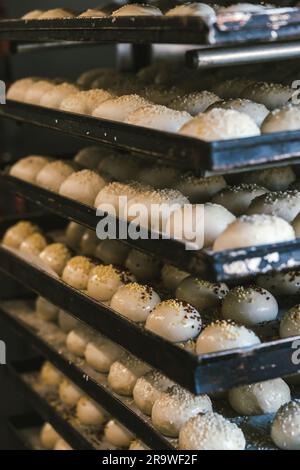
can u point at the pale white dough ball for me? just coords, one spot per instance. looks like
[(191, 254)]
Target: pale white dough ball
[(55, 256), (104, 281), (136, 9), (53, 174), (69, 393), (18, 89), (33, 245), (284, 204), (192, 9), (290, 323), (54, 97), (89, 157), (195, 102), (50, 376), (48, 436), (28, 168), (117, 435), (274, 179), (148, 389), (101, 353), (237, 199), (117, 109), (281, 283), (62, 445), (78, 339), (46, 310), (16, 234), (257, 111), (135, 301), (158, 117), (77, 271), (90, 413), (124, 373), (200, 293), (36, 91), (285, 431), (84, 102), (83, 186), (272, 95), (67, 322), (198, 189), (57, 13)]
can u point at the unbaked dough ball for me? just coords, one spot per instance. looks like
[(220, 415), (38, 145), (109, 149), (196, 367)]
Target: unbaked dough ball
[(281, 283), (237, 199), (53, 174), (101, 353), (67, 322), (83, 186), (136, 9), (249, 305), (117, 435), (198, 189), (57, 13), (89, 157), (124, 373), (84, 102), (90, 413), (223, 335), (62, 445), (216, 220), (161, 95), (77, 271), (32, 15), (175, 407), (290, 323), (195, 102), (48, 436), (285, 431), (28, 168), (117, 109), (258, 229), (112, 252), (119, 167), (211, 431), (46, 310), (54, 97), (220, 124), (148, 389), (175, 321), (88, 243), (104, 281), (260, 398), (172, 276), (158, 117), (192, 9), (159, 177), (15, 235), (274, 179), (74, 233), (36, 91), (284, 204), (92, 13), (33, 245), (50, 376), (17, 91), (257, 111), (78, 339), (142, 265), (272, 95), (232, 88), (138, 445), (135, 301), (55, 256), (69, 393), (200, 293)]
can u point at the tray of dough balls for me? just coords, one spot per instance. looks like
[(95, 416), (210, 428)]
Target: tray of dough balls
[(261, 416), (188, 23), (243, 228), (82, 423), (189, 121), (217, 338)]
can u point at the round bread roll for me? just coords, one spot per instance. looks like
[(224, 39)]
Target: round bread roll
[(53, 174), (83, 186), (172, 276), (32, 15), (223, 335), (84, 102), (148, 389), (260, 398), (245, 7), (54, 97), (88, 243), (15, 235), (237, 199), (285, 431), (296, 225), (136, 9), (55, 256), (135, 301), (57, 13), (77, 271), (62, 445), (37, 90), (258, 229), (249, 305), (257, 111), (46, 310), (124, 373), (232, 88), (283, 119), (158, 117), (113, 81), (48, 436), (104, 281), (161, 95), (138, 445), (216, 220), (112, 252), (33, 245), (117, 435), (78, 339), (175, 407), (159, 177), (117, 109), (28, 168), (284, 204), (92, 13), (74, 233), (200, 189), (211, 431), (274, 179), (86, 79), (101, 353), (201, 294), (175, 321), (89, 157), (66, 322), (143, 265), (290, 323), (272, 95), (195, 102), (119, 167), (192, 9), (69, 393), (17, 91), (281, 283), (220, 124), (90, 413), (50, 376)]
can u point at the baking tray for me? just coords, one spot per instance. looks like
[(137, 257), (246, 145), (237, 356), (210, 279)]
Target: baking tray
[(271, 25), (228, 265), (182, 151), (200, 374)]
